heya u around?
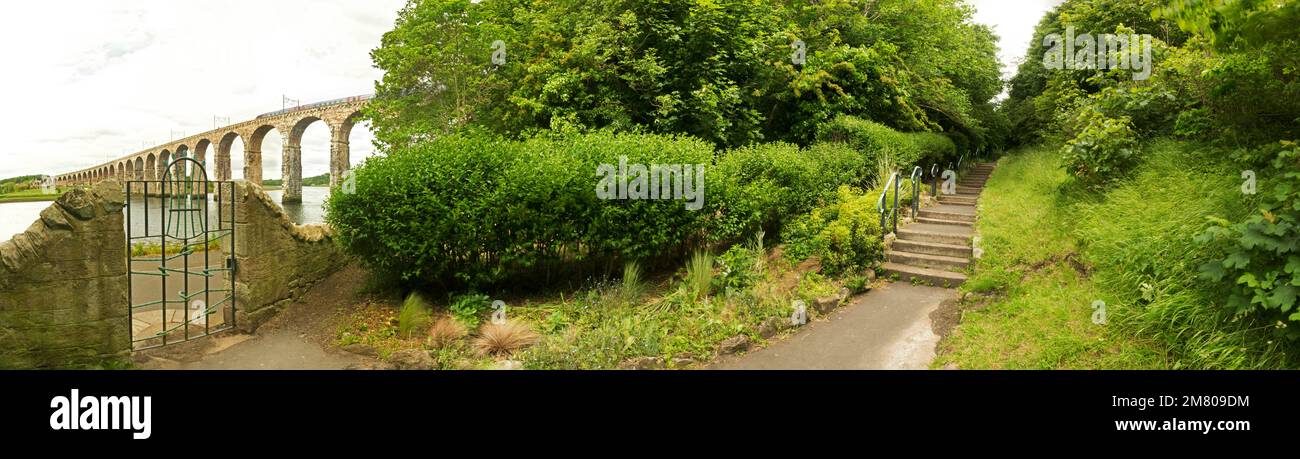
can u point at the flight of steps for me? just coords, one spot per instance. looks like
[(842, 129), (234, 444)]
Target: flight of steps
[(936, 247)]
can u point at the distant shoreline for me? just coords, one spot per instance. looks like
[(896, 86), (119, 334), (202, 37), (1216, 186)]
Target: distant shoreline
[(17, 199), (6, 199)]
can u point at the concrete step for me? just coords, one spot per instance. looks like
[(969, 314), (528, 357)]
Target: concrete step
[(949, 212), (936, 221), (958, 200), (930, 248), (969, 189), (934, 277), (937, 234), (928, 261)]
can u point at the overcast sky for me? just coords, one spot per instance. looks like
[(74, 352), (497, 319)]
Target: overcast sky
[(1014, 22), (88, 80), (113, 75)]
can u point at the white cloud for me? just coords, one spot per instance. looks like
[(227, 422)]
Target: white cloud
[(113, 75), (1014, 22)]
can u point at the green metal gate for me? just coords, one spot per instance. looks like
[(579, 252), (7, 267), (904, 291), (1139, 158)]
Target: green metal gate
[(180, 253)]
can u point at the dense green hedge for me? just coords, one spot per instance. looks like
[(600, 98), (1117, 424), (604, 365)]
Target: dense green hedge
[(473, 210), (759, 187), (877, 143)]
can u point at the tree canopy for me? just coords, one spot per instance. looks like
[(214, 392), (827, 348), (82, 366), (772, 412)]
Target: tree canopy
[(726, 71)]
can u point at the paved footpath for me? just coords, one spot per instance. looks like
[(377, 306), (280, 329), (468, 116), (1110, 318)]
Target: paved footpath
[(300, 338), (886, 329)]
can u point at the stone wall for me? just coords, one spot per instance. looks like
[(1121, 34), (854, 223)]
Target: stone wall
[(276, 260), (63, 284)]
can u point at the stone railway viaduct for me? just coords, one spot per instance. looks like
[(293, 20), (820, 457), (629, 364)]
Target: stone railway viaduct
[(340, 115)]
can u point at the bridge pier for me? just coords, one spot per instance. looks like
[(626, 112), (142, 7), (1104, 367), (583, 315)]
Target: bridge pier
[(291, 173), (253, 165), (222, 165), (339, 160)]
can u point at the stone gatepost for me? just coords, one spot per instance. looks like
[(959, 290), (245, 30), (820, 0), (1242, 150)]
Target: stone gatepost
[(276, 260), (63, 284)]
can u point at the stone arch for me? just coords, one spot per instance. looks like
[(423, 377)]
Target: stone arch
[(201, 151), (223, 155), (182, 151), (150, 167), (253, 153), (340, 146), (300, 127), (164, 159), (291, 163)]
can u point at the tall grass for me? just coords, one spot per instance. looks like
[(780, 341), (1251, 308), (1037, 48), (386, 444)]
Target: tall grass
[(1052, 248), (413, 317), (632, 286), (1141, 240), (699, 275)]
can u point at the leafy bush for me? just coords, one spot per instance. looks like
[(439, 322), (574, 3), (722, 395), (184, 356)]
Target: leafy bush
[(757, 188), (1103, 148), (1262, 262), (468, 309), (739, 268), (881, 145), (475, 210), (845, 233), (472, 210), (1195, 124), (857, 283), (934, 148)]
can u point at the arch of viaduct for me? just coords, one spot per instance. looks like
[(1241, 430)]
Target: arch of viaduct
[(340, 115)]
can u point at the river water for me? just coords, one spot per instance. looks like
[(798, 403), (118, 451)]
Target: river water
[(18, 216)]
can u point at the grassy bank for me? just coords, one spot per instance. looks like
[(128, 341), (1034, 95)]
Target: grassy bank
[(33, 195), (1053, 249)]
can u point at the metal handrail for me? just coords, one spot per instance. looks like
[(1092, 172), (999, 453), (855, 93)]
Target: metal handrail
[(917, 175), (934, 178), (893, 211)]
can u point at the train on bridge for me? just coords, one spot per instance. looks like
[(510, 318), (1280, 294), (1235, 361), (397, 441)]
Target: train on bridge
[(344, 100)]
